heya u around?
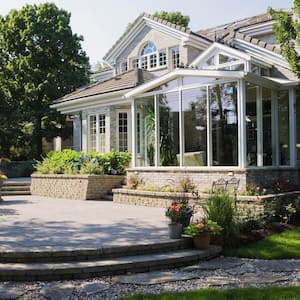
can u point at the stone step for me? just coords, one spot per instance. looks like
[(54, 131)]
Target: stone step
[(110, 266), (15, 193), (15, 188), (92, 254), (16, 183)]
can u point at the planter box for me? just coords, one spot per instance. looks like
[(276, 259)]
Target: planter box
[(81, 187)]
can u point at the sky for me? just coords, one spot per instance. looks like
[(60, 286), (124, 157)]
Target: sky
[(102, 22)]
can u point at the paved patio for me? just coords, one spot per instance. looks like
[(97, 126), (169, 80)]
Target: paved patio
[(32, 223)]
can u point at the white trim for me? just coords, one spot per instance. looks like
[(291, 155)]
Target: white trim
[(223, 49), (259, 122), (181, 125), (242, 132), (157, 133), (258, 29), (275, 128), (262, 53), (129, 133), (182, 72), (209, 130), (133, 133), (292, 125)]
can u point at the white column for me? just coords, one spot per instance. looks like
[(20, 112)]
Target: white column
[(209, 129), (242, 133), (292, 125), (156, 113), (275, 129), (181, 124), (85, 132), (133, 133), (259, 111)]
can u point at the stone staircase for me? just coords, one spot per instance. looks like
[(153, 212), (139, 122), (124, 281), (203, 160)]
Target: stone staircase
[(71, 264), (14, 188)]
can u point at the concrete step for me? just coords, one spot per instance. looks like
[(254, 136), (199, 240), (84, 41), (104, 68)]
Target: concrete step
[(15, 188), (92, 254), (100, 267)]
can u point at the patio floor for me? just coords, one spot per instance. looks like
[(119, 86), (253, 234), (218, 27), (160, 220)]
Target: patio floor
[(33, 223)]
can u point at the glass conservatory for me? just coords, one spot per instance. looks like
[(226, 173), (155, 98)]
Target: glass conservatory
[(227, 113)]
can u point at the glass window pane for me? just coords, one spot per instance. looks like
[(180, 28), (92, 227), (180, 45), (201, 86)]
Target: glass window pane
[(123, 131), (225, 59), (93, 132), (195, 126), (175, 54), (267, 126), (284, 128), (251, 124), (162, 58), (223, 109), (101, 134), (146, 139), (169, 129)]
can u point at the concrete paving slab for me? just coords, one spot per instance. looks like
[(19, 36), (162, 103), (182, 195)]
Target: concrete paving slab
[(33, 223), (154, 277)]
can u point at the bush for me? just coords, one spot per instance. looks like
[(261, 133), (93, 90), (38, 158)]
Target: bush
[(220, 208), (73, 162)]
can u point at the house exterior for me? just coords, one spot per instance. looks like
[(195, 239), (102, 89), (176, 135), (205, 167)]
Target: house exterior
[(216, 102)]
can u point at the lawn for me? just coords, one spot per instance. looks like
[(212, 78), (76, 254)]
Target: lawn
[(272, 293), (277, 246)]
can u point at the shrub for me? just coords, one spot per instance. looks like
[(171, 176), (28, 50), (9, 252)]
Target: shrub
[(73, 162), (220, 208), (134, 181), (186, 185)]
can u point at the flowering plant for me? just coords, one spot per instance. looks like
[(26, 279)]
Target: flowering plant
[(3, 177), (177, 210), (203, 227)]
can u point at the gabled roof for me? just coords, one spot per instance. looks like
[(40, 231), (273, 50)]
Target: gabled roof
[(163, 25), (220, 31), (127, 80)]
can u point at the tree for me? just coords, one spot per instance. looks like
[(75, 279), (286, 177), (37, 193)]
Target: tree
[(287, 31), (173, 17), (40, 60)]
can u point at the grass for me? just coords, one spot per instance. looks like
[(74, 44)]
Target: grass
[(283, 245), (270, 293)]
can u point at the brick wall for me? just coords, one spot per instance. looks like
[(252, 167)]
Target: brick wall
[(81, 187)]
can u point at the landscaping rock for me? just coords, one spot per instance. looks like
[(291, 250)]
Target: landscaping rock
[(10, 291), (60, 290)]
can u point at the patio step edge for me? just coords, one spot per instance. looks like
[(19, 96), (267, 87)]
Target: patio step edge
[(115, 266)]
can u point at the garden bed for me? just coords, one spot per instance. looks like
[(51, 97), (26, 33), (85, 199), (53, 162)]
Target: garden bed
[(81, 187)]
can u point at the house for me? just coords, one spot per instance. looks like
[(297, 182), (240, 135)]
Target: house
[(204, 104)]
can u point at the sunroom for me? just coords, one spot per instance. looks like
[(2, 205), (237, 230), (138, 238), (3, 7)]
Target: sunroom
[(222, 116)]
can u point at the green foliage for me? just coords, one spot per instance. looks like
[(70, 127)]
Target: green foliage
[(220, 208), (40, 61), (177, 210), (285, 245), (72, 162), (134, 181), (203, 227), (266, 293), (173, 17), (287, 33)]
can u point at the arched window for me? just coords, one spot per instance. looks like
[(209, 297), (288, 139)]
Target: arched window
[(148, 49)]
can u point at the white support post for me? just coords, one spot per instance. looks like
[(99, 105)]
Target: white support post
[(133, 131), (157, 126), (209, 129), (275, 129), (181, 125), (259, 112), (292, 125), (242, 138)]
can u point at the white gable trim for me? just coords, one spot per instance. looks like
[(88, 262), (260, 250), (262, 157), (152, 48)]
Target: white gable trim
[(182, 72), (185, 38), (258, 29), (260, 53), (222, 48)]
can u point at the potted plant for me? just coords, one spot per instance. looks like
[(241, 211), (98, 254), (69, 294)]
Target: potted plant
[(2, 178), (201, 231), (175, 212), (186, 213)]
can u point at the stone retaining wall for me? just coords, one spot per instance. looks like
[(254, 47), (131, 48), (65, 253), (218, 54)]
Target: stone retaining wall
[(251, 205), (81, 187)]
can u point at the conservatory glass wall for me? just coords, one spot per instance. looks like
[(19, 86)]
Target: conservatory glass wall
[(195, 124)]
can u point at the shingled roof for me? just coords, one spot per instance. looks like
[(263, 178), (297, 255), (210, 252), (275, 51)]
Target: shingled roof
[(120, 82), (161, 21)]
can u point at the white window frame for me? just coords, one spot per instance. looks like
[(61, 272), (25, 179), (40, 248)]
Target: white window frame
[(129, 131), (106, 146)]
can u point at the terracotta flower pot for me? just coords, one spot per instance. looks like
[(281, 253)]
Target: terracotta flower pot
[(201, 241), (175, 231)]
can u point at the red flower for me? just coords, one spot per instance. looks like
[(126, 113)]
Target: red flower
[(200, 225)]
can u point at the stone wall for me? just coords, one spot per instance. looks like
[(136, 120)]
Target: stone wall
[(81, 187), (203, 177), (253, 206)]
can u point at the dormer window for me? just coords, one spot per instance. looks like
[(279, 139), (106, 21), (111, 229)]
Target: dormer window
[(150, 58)]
